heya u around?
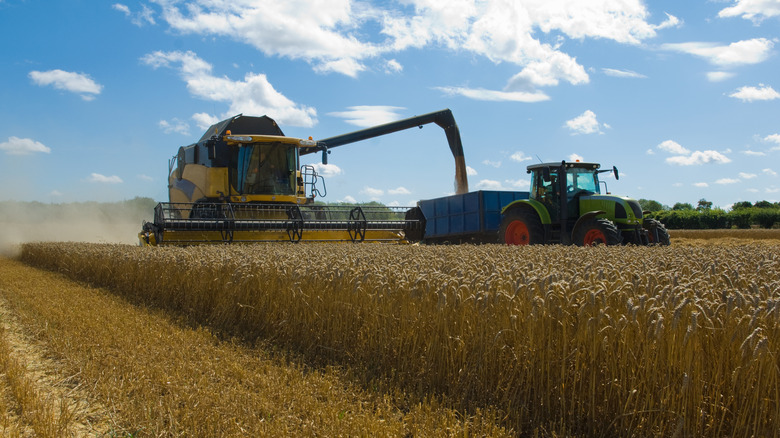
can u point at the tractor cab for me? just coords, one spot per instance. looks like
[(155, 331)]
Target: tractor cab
[(554, 184)]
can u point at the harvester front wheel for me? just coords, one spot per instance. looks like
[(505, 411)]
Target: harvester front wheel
[(598, 232), (521, 227), (656, 232)]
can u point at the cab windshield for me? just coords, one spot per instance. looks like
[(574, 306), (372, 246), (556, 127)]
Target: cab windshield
[(266, 169), (581, 180)]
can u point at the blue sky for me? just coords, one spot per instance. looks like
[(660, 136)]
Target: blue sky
[(681, 96)]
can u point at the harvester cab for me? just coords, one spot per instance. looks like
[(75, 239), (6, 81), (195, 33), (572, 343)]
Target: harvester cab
[(566, 206), (243, 182)]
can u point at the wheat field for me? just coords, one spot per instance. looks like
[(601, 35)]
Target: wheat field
[(532, 341)]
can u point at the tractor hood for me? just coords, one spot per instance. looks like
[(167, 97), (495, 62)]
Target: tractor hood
[(622, 208)]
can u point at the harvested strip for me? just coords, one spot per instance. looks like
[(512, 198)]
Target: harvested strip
[(49, 402), (159, 379), (10, 420)]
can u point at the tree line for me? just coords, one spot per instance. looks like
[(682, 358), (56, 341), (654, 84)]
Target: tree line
[(743, 214)]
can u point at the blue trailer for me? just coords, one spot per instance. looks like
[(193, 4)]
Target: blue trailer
[(469, 217)]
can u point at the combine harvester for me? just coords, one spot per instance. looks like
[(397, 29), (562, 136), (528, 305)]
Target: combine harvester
[(242, 182)]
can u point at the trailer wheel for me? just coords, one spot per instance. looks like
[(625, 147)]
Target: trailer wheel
[(415, 226), (597, 232), (521, 227)]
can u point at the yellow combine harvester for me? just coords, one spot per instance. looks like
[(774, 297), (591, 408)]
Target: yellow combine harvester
[(243, 182)]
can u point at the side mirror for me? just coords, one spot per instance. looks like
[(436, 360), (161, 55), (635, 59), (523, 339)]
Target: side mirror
[(324, 156), (615, 172), (546, 174)]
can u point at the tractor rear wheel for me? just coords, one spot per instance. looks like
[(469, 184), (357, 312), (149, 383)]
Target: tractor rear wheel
[(597, 232), (656, 232), (521, 227)]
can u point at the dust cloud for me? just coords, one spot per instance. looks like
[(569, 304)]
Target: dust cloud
[(116, 222)]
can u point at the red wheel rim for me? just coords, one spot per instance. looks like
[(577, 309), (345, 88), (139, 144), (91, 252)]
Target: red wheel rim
[(594, 237), (517, 234)]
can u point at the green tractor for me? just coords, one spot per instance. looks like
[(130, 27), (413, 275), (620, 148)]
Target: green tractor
[(566, 206)]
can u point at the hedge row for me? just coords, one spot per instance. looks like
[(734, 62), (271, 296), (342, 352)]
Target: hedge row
[(710, 219)]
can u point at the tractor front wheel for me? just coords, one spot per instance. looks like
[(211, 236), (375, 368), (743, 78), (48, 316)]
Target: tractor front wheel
[(597, 232), (656, 232), (521, 227)]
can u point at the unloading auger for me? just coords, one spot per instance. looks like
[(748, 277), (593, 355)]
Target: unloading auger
[(243, 182)]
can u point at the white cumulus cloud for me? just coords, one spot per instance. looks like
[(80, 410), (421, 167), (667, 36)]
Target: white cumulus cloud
[(718, 76), (744, 52), (399, 191), (327, 170), (684, 157), (520, 157), (519, 184), (699, 157), (103, 179), (175, 125), (145, 16), (393, 66), (373, 192), (495, 95), (470, 171), (673, 147), (755, 10), (489, 184), (368, 115), (253, 95), (774, 138), (506, 32), (623, 73), (320, 33), (585, 123), (78, 83), (749, 94), (725, 181), (23, 146), (204, 120)]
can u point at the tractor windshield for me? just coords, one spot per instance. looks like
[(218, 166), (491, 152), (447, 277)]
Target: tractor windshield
[(267, 169), (581, 181)]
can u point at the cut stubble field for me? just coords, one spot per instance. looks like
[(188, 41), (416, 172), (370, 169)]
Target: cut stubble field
[(389, 340)]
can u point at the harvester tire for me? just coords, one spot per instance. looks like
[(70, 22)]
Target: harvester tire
[(656, 228), (521, 227), (597, 231)]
